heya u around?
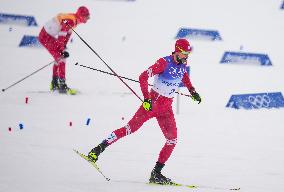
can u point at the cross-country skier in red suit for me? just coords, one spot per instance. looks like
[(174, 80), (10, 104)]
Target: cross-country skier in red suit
[(54, 36), (168, 72)]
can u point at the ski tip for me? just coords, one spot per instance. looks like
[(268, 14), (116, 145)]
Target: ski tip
[(76, 63), (191, 186)]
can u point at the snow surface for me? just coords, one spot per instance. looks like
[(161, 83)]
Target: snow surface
[(217, 146)]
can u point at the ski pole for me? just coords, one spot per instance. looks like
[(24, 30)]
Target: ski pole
[(27, 76), (94, 69), (104, 62)]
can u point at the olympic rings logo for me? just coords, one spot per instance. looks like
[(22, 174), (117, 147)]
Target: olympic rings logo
[(259, 101)]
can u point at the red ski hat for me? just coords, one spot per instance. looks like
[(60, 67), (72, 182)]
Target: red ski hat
[(83, 12), (183, 46)]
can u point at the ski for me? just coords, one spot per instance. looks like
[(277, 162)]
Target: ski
[(91, 162), (211, 187), (170, 184), (72, 91), (69, 92), (197, 186), (173, 184)]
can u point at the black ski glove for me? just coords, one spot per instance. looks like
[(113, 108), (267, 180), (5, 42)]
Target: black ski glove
[(65, 54), (194, 95)]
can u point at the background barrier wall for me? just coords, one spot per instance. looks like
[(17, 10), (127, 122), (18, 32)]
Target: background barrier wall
[(241, 57), (17, 19), (203, 34), (256, 101)]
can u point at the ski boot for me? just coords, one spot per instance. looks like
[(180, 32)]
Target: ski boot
[(95, 152), (157, 177), (63, 88), (54, 84)]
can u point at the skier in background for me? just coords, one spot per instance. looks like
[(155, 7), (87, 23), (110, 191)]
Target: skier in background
[(54, 36), (169, 72)]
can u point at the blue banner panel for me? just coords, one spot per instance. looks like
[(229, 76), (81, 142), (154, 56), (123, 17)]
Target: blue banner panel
[(212, 35), (248, 58), (17, 19), (256, 101), (30, 41), (282, 6)]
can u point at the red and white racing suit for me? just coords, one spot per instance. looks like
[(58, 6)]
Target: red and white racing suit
[(168, 76), (54, 36)]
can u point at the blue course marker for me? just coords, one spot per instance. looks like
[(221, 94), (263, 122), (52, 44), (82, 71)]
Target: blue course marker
[(21, 126), (88, 121)]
